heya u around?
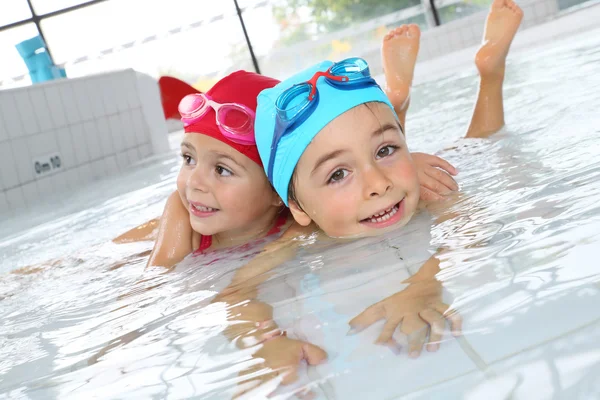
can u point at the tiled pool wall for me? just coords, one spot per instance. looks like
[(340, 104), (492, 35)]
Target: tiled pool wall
[(59, 136)]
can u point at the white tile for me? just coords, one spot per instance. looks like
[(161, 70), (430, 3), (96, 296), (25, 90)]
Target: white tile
[(72, 179), (82, 154), (119, 82), (23, 160), (477, 33), (31, 194), (456, 42), (139, 126), (540, 11), (55, 106), (65, 145), (72, 101), (122, 161), (116, 132), (15, 199), (111, 166), (41, 109), (551, 7), (25, 107), (8, 168), (47, 186), (85, 174), (98, 169), (109, 94), (513, 318), (467, 37), (564, 368), (348, 377), (528, 13), (128, 130), (60, 182), (93, 140), (145, 150), (95, 96), (133, 156), (3, 130), (42, 144), (4, 207), (131, 90), (10, 115), (443, 44), (434, 49), (106, 145), (457, 388)]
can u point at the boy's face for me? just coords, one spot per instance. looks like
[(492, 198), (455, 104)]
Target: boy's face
[(357, 177), (223, 190)]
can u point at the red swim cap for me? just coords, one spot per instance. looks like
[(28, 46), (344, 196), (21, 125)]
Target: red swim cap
[(239, 87)]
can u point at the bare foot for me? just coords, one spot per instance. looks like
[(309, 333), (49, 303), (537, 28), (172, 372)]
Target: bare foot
[(500, 28), (399, 54)]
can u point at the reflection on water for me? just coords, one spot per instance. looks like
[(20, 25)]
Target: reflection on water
[(520, 266)]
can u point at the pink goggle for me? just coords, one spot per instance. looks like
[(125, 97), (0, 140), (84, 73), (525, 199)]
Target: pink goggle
[(234, 120)]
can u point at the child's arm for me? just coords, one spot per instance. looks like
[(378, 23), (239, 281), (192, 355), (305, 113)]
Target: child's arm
[(246, 312), (250, 321), (174, 240), (146, 231), (418, 309)]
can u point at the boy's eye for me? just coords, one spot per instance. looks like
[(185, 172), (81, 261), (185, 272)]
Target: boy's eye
[(338, 176), (223, 171), (386, 151)]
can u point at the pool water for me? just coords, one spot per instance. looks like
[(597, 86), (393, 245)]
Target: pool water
[(81, 317)]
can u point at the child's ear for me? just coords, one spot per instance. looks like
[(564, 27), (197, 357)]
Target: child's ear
[(299, 215)]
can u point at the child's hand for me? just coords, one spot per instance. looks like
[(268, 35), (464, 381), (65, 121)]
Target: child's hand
[(434, 176), (277, 362), (417, 308)]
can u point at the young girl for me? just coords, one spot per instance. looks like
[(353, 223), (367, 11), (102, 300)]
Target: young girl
[(334, 148), (222, 197)]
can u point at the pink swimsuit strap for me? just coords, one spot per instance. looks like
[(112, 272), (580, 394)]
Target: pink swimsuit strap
[(206, 241)]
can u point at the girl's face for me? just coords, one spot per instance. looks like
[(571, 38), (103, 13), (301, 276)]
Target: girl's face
[(224, 191), (357, 178)]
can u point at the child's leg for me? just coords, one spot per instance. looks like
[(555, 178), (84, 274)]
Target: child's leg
[(500, 29), (399, 54)]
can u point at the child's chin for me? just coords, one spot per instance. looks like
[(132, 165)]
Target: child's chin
[(203, 229)]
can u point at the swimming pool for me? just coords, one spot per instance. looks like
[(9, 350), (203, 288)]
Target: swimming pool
[(520, 267)]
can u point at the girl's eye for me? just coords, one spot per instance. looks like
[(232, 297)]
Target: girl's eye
[(222, 171), (188, 160), (386, 151), (338, 176)]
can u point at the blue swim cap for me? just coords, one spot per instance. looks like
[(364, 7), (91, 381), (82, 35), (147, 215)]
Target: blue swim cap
[(333, 102)]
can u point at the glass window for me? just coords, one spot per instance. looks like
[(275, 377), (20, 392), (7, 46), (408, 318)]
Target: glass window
[(12, 65), (195, 40), (288, 35), (13, 11)]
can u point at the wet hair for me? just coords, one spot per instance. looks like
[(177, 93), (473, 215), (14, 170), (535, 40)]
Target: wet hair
[(292, 185)]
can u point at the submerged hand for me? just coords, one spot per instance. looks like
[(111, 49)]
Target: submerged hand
[(418, 309), (434, 176), (277, 362)]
